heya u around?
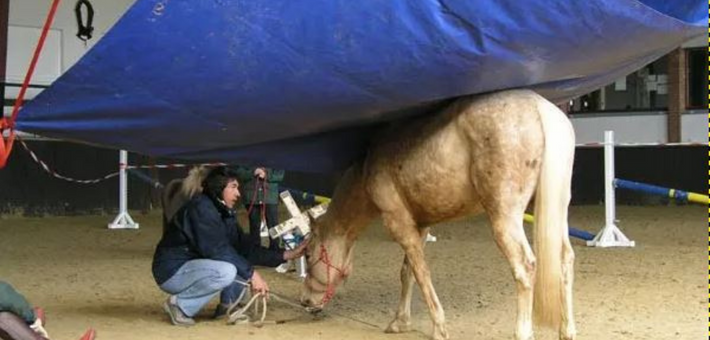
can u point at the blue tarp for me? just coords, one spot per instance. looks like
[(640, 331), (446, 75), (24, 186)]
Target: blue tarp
[(301, 85)]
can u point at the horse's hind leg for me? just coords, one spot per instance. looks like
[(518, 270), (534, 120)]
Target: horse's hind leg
[(510, 237), (567, 327), (402, 321)]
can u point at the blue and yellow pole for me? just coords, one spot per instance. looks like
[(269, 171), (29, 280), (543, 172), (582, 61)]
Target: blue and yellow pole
[(679, 195), (306, 197)]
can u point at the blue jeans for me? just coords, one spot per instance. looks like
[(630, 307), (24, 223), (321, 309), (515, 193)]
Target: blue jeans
[(198, 281)]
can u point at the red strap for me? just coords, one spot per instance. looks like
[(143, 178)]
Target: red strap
[(329, 287), (5, 124), (5, 145)]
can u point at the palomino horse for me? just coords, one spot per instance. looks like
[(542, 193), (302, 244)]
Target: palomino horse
[(482, 154), (179, 191)]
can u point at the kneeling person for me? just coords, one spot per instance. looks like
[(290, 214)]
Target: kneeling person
[(203, 252)]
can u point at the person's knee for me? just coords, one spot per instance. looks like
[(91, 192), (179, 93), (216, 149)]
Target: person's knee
[(227, 274)]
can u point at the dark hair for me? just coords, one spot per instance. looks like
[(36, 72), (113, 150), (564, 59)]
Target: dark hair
[(217, 180)]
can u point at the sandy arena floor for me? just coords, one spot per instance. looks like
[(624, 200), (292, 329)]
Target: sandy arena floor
[(85, 275)]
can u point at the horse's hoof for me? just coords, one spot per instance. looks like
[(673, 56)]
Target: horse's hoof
[(398, 327), (527, 336), (570, 336), (568, 333), (440, 333)]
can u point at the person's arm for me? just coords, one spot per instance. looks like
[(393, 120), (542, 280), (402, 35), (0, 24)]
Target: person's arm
[(256, 254), (274, 175), (209, 240), (261, 256)]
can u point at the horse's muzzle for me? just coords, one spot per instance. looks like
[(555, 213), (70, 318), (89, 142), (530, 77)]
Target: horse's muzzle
[(311, 306)]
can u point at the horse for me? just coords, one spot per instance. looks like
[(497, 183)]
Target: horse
[(486, 153), (179, 191)]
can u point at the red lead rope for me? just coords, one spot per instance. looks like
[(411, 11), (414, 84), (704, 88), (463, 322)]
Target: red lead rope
[(260, 184), (329, 288), (5, 124)]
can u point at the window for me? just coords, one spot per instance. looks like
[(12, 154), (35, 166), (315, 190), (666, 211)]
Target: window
[(697, 78), (643, 90)]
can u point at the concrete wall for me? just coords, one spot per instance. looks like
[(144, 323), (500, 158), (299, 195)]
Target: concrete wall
[(62, 48), (644, 127)]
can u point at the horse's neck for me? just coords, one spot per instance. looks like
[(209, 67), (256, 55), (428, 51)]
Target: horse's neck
[(351, 209)]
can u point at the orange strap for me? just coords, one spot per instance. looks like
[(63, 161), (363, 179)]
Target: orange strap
[(5, 145), (9, 124)]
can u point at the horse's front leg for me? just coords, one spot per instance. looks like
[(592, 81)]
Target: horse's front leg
[(402, 321), (406, 233)]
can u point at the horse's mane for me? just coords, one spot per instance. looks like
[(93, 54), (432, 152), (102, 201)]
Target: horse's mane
[(192, 184)]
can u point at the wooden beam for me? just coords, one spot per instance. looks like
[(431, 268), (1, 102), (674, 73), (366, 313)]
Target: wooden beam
[(677, 92)]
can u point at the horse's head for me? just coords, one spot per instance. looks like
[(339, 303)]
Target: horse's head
[(329, 264)]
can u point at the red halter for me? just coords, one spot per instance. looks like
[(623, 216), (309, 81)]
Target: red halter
[(329, 288)]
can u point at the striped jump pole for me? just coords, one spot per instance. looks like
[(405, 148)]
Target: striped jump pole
[(307, 198), (678, 195)]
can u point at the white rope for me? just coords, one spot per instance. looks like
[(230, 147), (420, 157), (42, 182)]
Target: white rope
[(259, 302), (54, 174)]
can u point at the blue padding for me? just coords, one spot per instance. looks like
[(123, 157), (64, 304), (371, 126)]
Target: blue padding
[(581, 234), (300, 85), (642, 187)]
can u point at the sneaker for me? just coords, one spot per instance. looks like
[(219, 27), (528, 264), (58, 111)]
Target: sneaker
[(89, 335), (284, 267), (177, 317)]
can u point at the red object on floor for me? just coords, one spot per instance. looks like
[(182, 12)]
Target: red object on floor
[(39, 314), (89, 335)]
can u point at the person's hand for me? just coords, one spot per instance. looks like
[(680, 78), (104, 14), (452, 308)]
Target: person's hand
[(260, 173), (258, 285), (298, 251)]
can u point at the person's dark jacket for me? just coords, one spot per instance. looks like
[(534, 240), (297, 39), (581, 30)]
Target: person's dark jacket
[(252, 188), (205, 228)]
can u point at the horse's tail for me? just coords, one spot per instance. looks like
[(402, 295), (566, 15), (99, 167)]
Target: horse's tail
[(192, 184), (551, 203)]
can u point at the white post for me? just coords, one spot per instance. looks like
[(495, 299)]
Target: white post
[(610, 235), (301, 267), (123, 220), (609, 175)]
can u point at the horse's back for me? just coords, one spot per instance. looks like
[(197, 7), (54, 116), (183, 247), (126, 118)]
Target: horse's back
[(444, 166)]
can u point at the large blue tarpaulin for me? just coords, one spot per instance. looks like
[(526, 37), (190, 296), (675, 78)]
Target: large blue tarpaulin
[(302, 84)]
